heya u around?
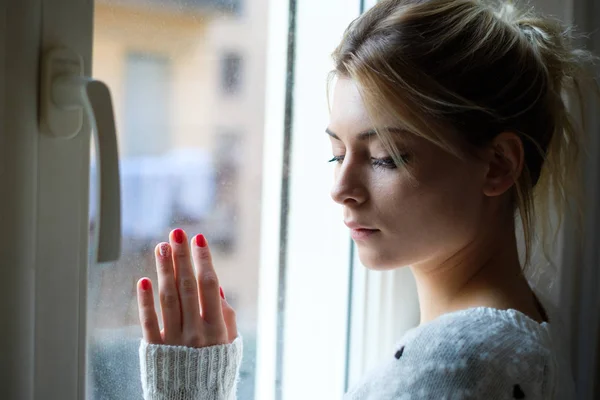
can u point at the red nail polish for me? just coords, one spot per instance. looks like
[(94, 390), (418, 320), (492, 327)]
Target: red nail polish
[(165, 249), (178, 235), (222, 293), (200, 240), (145, 284)]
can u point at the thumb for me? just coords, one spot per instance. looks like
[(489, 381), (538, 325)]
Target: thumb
[(230, 319)]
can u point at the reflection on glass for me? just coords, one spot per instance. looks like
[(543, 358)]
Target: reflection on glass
[(187, 79)]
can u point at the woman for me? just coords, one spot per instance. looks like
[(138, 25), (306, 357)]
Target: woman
[(447, 118)]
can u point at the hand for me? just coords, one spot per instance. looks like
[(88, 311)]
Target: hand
[(194, 310)]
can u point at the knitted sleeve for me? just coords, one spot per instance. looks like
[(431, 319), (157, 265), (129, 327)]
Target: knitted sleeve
[(185, 373)]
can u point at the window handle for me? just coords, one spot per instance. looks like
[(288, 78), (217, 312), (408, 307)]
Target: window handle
[(66, 95)]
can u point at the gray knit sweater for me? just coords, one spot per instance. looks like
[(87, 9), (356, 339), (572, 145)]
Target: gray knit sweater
[(479, 353)]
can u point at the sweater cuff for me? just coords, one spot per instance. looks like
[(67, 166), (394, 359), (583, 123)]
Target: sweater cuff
[(179, 372)]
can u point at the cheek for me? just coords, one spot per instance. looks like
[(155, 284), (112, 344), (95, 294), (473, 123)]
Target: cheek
[(451, 210), (438, 214), (449, 195)]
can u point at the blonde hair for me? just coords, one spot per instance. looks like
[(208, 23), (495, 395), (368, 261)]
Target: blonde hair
[(448, 69)]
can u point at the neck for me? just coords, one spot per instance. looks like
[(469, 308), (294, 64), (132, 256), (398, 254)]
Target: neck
[(486, 272)]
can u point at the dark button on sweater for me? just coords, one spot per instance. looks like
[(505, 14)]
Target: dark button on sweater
[(399, 353), (518, 392)]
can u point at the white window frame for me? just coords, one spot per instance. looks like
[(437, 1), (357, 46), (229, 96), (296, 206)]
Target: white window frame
[(317, 259), (46, 211)]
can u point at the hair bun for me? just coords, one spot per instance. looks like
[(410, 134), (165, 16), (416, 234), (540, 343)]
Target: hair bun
[(550, 40)]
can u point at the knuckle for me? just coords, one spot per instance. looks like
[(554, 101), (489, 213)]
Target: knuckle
[(180, 252), (188, 286), (209, 281), (169, 300), (205, 256)]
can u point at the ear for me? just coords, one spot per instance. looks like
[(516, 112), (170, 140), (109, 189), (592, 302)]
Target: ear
[(505, 158)]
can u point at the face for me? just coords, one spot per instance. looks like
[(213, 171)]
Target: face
[(423, 216)]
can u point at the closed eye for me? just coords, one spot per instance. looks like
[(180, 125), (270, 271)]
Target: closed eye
[(386, 162)]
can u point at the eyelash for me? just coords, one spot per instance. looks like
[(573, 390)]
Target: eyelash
[(387, 162)]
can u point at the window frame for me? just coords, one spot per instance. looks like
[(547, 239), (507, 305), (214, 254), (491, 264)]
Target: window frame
[(285, 259)]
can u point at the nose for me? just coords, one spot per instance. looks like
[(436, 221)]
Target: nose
[(349, 186)]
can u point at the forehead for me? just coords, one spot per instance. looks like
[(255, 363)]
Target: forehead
[(348, 112)]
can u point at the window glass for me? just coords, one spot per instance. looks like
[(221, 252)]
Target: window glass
[(190, 158)]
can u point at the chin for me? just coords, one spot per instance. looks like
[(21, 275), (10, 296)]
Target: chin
[(378, 260)]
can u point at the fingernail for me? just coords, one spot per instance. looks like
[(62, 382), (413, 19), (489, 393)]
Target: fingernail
[(200, 240), (164, 249), (178, 235), (222, 292), (145, 284)]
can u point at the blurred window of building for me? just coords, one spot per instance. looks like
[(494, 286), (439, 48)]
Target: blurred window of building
[(231, 73), (146, 104)]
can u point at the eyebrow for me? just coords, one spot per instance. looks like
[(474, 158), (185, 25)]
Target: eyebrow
[(366, 134)]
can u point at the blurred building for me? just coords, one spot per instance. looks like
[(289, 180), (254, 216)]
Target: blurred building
[(188, 84)]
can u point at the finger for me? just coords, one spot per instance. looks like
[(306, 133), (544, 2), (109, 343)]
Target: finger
[(147, 313), (167, 293), (230, 319), (208, 284), (186, 283)]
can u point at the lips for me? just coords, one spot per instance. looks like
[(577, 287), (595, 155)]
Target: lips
[(359, 231), (361, 234), (358, 226)]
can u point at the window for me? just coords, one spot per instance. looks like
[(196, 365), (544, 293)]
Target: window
[(147, 100), (212, 171), (179, 166), (231, 73)]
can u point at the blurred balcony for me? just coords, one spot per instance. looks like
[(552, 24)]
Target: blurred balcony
[(180, 6)]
